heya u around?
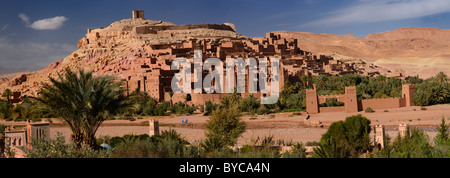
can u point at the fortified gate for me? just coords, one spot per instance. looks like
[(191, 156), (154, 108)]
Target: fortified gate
[(351, 103)]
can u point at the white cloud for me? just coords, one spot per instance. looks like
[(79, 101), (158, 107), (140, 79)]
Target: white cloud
[(49, 24), (382, 10), (44, 24), (25, 19)]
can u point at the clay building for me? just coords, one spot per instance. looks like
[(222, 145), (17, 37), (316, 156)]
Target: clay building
[(151, 72), (140, 53), (22, 137)]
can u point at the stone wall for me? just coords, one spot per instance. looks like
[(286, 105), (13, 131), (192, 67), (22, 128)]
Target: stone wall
[(196, 98), (381, 103), (332, 109)]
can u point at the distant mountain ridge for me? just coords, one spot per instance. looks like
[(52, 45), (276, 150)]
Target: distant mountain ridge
[(417, 51), (403, 42), (8, 70)]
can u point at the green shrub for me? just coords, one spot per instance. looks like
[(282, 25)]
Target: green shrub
[(369, 110), (330, 102), (261, 153), (210, 107), (2, 129), (346, 138), (249, 104), (225, 126), (416, 145), (262, 110), (58, 148), (297, 151)]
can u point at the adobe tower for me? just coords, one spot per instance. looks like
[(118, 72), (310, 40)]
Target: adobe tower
[(351, 102), (408, 91), (153, 127), (379, 136), (138, 14), (312, 101)]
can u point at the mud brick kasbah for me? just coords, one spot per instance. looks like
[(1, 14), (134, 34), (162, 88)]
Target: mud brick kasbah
[(140, 53)]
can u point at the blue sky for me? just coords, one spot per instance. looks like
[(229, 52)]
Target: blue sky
[(37, 33)]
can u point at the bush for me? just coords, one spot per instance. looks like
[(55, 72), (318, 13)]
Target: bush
[(330, 102), (169, 144), (2, 129), (296, 101), (414, 146), (202, 108), (441, 138), (225, 126), (262, 110), (250, 104), (136, 149), (210, 107), (5, 110), (346, 138), (297, 151), (260, 153), (369, 110), (59, 149)]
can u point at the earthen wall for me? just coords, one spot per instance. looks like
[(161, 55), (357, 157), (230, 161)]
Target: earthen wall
[(332, 109), (381, 103)]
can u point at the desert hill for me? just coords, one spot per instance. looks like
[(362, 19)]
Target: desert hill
[(416, 51)]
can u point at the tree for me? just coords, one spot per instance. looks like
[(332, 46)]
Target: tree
[(7, 94), (231, 100), (171, 95), (441, 77), (328, 148), (83, 102), (442, 136), (225, 126), (5, 109), (304, 80), (321, 81), (349, 137)]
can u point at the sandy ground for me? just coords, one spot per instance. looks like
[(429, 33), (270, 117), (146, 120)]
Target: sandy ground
[(282, 126)]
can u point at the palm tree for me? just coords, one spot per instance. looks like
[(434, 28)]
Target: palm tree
[(441, 77), (321, 79), (83, 102), (171, 95), (304, 80), (7, 94)]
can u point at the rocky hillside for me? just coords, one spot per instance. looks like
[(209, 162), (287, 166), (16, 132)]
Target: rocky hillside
[(416, 51), (118, 44)]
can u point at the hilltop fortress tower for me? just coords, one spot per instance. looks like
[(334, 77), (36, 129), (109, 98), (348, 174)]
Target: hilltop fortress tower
[(138, 14)]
